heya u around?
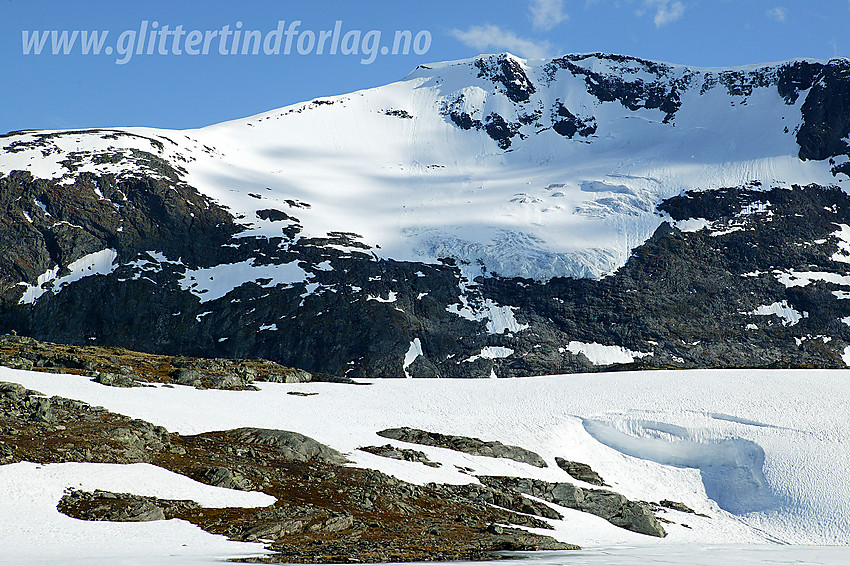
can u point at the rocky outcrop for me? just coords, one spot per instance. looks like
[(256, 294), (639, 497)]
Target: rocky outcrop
[(507, 498), (406, 454), (680, 507), (120, 507), (475, 446), (579, 471), (289, 445), (124, 368), (825, 130), (508, 73), (568, 125), (613, 507), (633, 93), (277, 523)]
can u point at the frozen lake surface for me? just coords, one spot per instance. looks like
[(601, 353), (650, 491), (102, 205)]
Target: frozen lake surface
[(692, 555), (680, 555)]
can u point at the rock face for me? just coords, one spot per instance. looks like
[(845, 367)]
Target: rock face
[(826, 123), (475, 446), (669, 301), (119, 249)]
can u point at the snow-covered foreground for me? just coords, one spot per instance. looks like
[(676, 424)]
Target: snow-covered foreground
[(764, 453), (32, 531)]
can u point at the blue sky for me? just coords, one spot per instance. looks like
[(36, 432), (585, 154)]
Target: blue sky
[(47, 91)]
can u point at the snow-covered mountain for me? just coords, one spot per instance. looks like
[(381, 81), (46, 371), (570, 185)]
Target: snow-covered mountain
[(536, 168), (380, 208)]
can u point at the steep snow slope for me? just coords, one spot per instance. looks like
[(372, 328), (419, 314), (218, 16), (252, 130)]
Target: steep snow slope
[(534, 168), (763, 453)]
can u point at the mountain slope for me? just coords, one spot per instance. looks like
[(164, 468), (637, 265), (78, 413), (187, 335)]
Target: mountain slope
[(351, 234)]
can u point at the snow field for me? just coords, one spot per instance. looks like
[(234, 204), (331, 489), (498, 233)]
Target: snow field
[(763, 452)]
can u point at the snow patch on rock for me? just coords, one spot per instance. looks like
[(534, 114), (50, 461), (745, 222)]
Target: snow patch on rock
[(602, 355), (212, 283), (789, 315), (97, 263)]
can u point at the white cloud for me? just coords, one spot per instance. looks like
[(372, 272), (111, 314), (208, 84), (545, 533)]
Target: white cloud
[(488, 37), (665, 11), (779, 14), (546, 14)]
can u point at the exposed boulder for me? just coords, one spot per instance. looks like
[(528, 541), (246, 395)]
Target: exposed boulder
[(185, 376), (680, 507), (41, 410), (294, 376), (117, 380)]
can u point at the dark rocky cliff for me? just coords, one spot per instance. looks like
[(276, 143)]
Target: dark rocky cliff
[(683, 296)]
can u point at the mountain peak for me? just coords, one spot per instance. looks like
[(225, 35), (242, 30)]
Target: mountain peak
[(537, 169)]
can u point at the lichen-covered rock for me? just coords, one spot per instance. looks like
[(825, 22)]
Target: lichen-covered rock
[(119, 507), (509, 499), (294, 376)]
